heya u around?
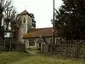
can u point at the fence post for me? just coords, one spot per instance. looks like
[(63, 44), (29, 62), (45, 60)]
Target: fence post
[(10, 45), (77, 49), (4, 44), (67, 48)]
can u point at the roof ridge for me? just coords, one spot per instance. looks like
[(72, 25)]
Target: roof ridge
[(24, 12)]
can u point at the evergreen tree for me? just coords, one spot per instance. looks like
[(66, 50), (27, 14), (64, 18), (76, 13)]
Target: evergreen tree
[(70, 19), (33, 20)]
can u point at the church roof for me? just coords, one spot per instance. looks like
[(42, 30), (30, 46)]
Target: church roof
[(45, 32), (24, 12)]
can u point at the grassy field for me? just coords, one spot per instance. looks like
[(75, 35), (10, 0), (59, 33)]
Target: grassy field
[(24, 58), (9, 57)]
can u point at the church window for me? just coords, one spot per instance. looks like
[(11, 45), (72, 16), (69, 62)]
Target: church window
[(31, 42), (24, 21)]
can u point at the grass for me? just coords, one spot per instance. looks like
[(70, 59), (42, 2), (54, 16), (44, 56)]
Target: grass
[(8, 57), (24, 58)]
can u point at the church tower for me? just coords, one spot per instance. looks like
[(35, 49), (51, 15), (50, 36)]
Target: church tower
[(25, 22)]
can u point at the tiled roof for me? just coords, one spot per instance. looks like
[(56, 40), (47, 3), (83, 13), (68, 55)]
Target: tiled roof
[(23, 12), (39, 32)]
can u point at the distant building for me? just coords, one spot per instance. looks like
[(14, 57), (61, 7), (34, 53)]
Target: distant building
[(25, 22)]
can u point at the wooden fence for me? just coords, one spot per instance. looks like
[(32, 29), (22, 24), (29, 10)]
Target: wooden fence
[(14, 46), (69, 48), (2, 45)]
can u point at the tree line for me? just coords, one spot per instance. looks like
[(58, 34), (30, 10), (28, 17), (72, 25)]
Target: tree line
[(70, 19)]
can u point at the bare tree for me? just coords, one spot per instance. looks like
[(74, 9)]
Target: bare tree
[(9, 17), (3, 5)]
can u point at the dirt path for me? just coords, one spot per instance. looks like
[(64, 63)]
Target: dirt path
[(33, 53)]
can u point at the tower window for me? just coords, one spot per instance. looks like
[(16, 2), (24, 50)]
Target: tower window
[(24, 21)]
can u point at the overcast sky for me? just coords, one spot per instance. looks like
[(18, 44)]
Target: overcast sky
[(42, 10)]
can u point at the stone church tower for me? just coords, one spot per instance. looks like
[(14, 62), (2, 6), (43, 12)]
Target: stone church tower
[(25, 22)]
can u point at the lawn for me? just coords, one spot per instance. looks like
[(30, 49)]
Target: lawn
[(24, 58), (9, 57)]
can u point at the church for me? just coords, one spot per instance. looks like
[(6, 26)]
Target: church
[(31, 36)]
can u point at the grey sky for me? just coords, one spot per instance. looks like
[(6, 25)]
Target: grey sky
[(42, 9)]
